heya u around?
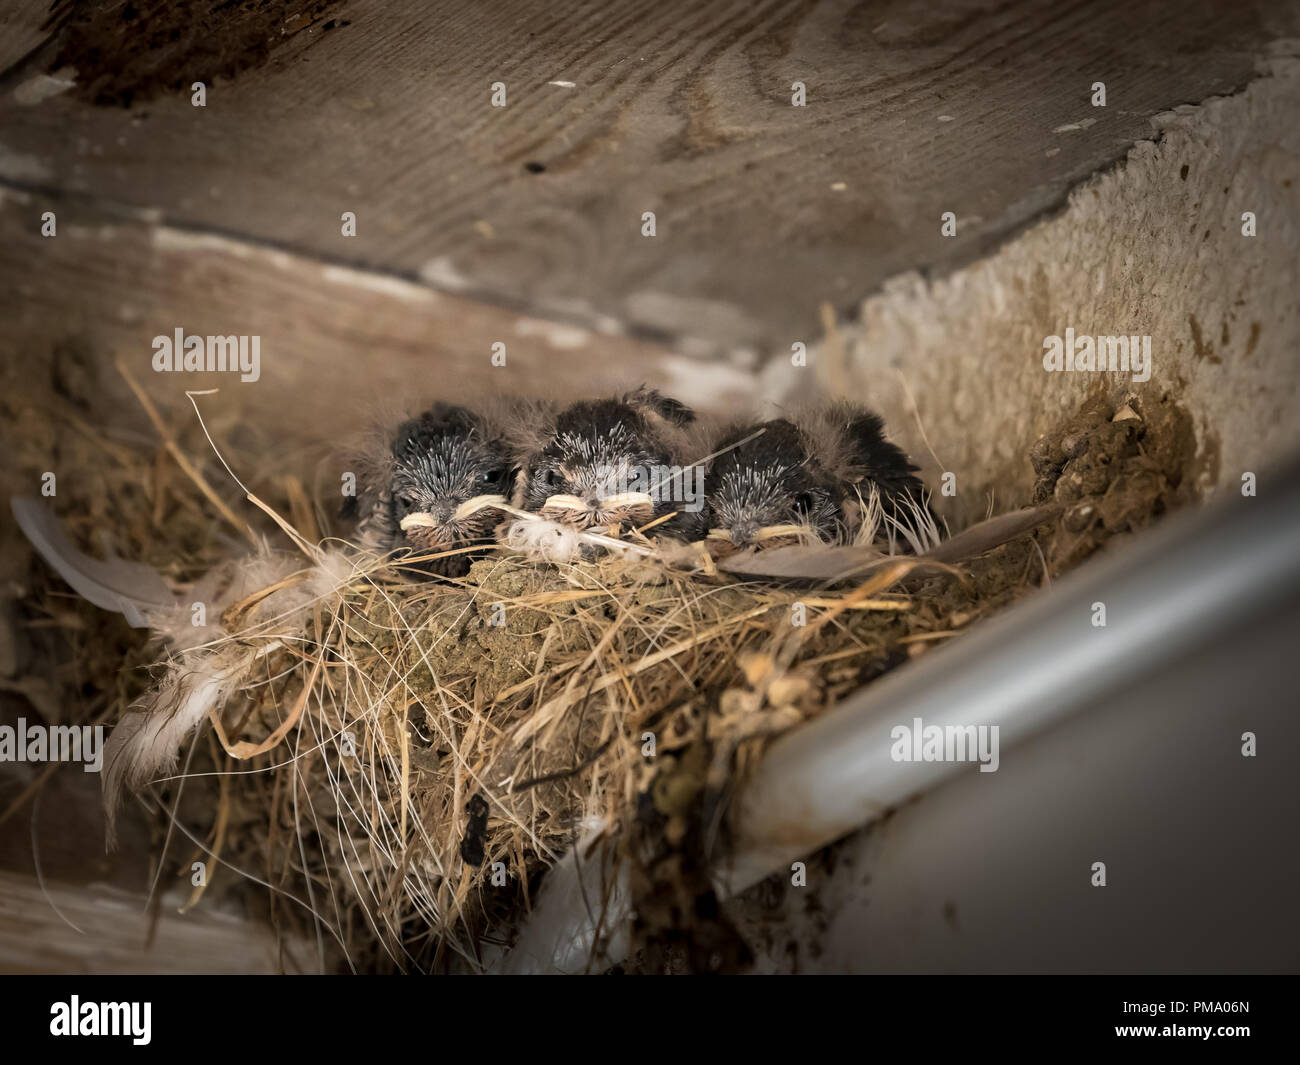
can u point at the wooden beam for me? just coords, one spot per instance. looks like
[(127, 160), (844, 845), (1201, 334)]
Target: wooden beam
[(763, 210), (338, 347), (92, 928)]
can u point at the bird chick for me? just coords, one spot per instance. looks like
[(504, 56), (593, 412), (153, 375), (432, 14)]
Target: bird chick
[(431, 487), (612, 463), (793, 479)]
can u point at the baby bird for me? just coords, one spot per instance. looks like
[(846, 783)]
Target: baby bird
[(807, 477), (431, 487), (612, 462)]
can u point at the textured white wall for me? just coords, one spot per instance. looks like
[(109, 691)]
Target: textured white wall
[(1140, 249)]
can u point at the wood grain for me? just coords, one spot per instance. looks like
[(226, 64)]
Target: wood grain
[(21, 30), (338, 347), (764, 210)]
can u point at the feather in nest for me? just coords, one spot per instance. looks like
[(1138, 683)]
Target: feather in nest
[(823, 563), (128, 588), (204, 665)]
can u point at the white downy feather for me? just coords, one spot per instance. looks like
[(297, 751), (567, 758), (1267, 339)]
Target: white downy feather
[(543, 541), (210, 668), (207, 666), (148, 739)]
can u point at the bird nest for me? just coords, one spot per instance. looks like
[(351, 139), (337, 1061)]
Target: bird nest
[(386, 766)]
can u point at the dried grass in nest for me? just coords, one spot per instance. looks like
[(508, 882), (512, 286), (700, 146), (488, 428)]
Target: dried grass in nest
[(525, 692), (389, 746), (376, 752)]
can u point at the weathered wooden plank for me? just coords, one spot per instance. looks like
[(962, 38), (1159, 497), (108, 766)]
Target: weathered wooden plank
[(20, 29), (336, 346), (97, 929), (764, 210)]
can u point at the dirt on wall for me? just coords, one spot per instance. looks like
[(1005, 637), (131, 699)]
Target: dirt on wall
[(1189, 242), (130, 50)]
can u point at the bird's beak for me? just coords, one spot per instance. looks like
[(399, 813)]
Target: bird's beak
[(626, 508), (418, 520), (470, 506), (607, 503), (564, 502), (749, 534), (422, 519), (628, 499)]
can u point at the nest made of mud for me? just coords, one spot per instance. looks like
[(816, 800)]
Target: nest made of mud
[(400, 762)]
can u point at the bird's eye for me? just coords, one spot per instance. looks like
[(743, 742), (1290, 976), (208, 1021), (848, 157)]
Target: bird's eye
[(406, 502), (803, 504), (491, 477), (548, 478)]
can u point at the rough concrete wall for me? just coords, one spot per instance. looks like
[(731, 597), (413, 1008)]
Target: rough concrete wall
[(1153, 247)]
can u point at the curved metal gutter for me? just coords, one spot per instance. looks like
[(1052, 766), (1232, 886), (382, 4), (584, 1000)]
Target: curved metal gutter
[(1172, 590)]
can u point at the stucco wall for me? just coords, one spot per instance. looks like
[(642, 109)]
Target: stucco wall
[(1152, 247)]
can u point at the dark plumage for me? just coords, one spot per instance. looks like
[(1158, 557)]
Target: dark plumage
[(807, 471), (410, 491), (595, 462)]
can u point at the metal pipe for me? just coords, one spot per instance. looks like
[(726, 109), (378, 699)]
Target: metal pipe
[(1172, 590)]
